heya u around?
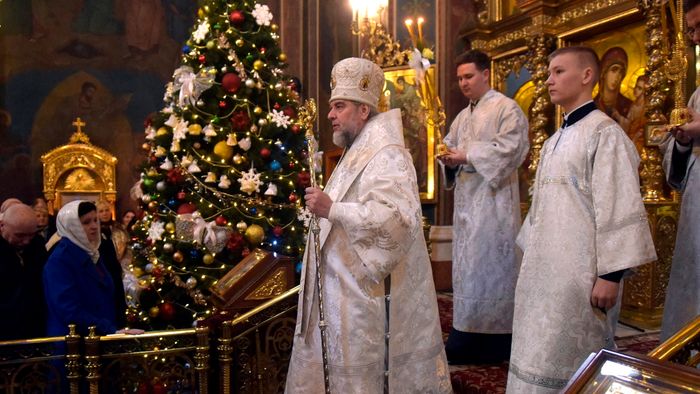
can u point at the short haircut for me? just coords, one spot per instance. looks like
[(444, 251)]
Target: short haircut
[(480, 59), (86, 207), (688, 5), (586, 56)]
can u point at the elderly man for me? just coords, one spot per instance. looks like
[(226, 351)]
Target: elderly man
[(22, 258), (372, 251)]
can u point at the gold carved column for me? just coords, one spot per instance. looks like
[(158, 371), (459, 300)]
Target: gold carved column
[(645, 292), (540, 46)]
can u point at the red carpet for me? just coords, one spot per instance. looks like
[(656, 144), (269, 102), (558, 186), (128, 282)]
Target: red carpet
[(488, 379)]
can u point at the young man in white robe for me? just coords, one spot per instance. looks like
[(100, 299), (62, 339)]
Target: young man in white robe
[(486, 144), (372, 246), (586, 226), (683, 173)]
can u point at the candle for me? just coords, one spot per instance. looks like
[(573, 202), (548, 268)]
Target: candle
[(420, 28), (409, 27)]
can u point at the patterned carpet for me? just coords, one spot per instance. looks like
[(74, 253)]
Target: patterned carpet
[(491, 379)]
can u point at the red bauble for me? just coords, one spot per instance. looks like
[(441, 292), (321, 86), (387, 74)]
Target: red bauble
[(202, 58), (263, 50), (265, 153), (231, 82), (292, 197), (296, 129), (175, 176), (236, 17), (186, 208), (222, 104), (276, 106), (236, 242), (220, 221), (181, 195), (304, 179), (278, 230), (167, 311), (289, 111), (240, 121)]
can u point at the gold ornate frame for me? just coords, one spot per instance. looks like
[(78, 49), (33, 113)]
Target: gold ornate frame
[(419, 132), (79, 170)]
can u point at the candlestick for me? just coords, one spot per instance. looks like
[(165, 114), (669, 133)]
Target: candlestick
[(409, 27)]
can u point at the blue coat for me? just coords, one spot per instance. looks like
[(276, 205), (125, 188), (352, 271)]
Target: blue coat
[(77, 291)]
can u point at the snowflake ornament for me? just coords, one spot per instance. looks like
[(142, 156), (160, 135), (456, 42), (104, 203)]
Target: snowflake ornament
[(280, 119), (250, 181), (201, 32), (155, 232), (262, 15), (305, 216)]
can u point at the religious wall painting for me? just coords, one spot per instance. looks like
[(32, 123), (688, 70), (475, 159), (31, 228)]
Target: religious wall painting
[(401, 91), (620, 91)]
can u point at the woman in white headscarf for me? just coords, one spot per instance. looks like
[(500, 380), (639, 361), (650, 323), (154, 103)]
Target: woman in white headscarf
[(78, 287)]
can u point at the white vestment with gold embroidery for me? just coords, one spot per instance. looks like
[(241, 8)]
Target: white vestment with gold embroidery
[(373, 230), (587, 219)]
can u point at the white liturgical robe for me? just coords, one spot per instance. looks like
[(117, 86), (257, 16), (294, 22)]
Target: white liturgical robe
[(373, 230), (587, 219), (487, 213), (683, 292)]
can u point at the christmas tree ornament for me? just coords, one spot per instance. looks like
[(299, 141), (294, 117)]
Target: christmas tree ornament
[(236, 17), (208, 259), (152, 206), (167, 165), (249, 83), (211, 177), (237, 159), (224, 182), (292, 198), (168, 247), (186, 208), (194, 129), (258, 65), (240, 42), (245, 143), (161, 186), (178, 257), (232, 140), (170, 227), (223, 150), (240, 120), (254, 234), (265, 153), (146, 198), (231, 82), (282, 57), (277, 231), (275, 165), (241, 226), (220, 220), (211, 44), (153, 312), (181, 195), (191, 282), (166, 311), (250, 181), (271, 190)]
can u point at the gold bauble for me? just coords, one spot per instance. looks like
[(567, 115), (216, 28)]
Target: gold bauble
[(146, 146), (254, 234), (222, 150), (241, 226), (207, 259), (152, 206), (178, 257), (240, 42), (152, 172), (238, 159), (137, 271), (161, 131), (274, 27), (257, 110), (258, 65), (170, 227), (168, 247), (194, 129), (153, 312), (283, 57)]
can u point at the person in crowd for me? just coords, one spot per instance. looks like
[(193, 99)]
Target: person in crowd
[(586, 226), (7, 204), (46, 223), (22, 259), (111, 259), (682, 303), (381, 314), (78, 287), (487, 143)]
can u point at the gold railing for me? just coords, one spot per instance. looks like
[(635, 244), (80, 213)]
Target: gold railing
[(251, 356), (683, 347)]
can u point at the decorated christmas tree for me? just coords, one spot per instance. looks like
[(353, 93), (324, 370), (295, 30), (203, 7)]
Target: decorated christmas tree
[(225, 170)]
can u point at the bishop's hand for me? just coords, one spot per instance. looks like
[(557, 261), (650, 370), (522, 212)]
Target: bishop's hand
[(318, 202)]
